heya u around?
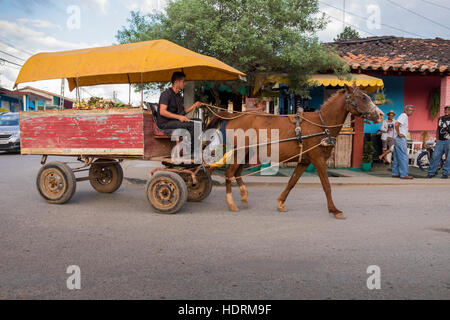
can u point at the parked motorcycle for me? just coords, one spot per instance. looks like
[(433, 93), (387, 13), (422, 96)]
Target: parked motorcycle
[(424, 159)]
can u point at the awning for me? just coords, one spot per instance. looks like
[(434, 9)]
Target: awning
[(148, 61), (368, 83)]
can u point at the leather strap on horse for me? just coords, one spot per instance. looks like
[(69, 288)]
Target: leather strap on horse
[(298, 134), (329, 141)]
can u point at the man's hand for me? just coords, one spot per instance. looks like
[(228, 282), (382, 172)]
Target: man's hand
[(198, 104), (184, 119)]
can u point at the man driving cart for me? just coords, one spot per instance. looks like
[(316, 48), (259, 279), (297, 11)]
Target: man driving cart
[(171, 111)]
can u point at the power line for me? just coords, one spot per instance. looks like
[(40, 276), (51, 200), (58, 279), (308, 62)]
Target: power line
[(86, 91), (9, 66), (435, 4), (354, 27), (13, 46), (4, 60), (418, 14), (8, 54), (365, 18)]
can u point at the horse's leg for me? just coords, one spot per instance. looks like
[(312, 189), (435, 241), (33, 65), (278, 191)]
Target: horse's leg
[(242, 187), (321, 168), (229, 174), (299, 170)]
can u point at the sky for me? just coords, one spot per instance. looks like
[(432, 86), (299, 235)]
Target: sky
[(32, 26)]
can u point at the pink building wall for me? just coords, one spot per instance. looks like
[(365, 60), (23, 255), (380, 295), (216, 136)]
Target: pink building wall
[(445, 93), (417, 93)]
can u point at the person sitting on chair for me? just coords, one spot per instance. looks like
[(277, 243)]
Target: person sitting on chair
[(171, 111)]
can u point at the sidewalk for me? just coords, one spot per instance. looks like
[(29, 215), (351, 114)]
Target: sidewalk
[(138, 172)]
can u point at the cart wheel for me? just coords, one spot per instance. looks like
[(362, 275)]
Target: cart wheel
[(166, 192), (105, 175), (202, 189), (56, 182)]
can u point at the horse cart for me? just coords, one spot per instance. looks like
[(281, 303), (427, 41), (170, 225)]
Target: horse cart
[(100, 139)]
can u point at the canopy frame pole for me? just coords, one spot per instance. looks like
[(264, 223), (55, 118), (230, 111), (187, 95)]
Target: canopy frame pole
[(142, 90), (77, 91), (129, 89)]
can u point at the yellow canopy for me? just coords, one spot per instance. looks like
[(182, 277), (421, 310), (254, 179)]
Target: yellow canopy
[(370, 84), (149, 61)]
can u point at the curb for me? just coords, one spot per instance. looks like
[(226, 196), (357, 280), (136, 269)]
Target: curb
[(216, 183)]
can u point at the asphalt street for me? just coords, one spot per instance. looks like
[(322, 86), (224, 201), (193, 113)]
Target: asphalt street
[(125, 251)]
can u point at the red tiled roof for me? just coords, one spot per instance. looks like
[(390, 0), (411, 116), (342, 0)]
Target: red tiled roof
[(396, 54)]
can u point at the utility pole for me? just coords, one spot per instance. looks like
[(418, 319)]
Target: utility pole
[(343, 17)]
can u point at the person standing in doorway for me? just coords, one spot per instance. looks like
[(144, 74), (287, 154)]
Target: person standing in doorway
[(387, 135), (400, 168), (442, 146)]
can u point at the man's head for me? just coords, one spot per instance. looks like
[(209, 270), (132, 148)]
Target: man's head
[(409, 110), (391, 115), (447, 111), (178, 80)]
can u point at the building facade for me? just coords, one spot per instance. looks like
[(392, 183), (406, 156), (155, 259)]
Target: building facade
[(30, 98)]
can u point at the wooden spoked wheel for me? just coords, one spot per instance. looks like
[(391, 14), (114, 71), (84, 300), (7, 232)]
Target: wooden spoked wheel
[(56, 182), (166, 192)]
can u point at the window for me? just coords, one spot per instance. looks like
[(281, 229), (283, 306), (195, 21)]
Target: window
[(8, 120)]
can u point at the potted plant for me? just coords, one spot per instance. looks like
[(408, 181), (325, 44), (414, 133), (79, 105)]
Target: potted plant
[(368, 156), (380, 98)]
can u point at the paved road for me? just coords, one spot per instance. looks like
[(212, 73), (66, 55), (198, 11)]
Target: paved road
[(126, 251)]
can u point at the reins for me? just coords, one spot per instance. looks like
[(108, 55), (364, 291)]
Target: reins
[(244, 113)]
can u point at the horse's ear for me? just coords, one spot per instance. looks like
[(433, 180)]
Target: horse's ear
[(348, 88)]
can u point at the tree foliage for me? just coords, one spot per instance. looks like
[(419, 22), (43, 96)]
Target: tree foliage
[(348, 33), (257, 36)]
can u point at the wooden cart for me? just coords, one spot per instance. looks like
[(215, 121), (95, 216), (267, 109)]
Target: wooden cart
[(101, 140)]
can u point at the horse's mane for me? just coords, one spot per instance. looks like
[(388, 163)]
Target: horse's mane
[(332, 100)]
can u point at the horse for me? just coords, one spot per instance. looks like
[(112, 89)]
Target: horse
[(316, 126)]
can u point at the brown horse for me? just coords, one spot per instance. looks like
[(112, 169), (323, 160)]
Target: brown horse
[(333, 113)]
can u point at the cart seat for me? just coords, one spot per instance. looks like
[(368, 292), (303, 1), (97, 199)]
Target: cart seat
[(158, 132)]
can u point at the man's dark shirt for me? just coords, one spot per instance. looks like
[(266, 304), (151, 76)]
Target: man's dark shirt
[(444, 128), (174, 104)]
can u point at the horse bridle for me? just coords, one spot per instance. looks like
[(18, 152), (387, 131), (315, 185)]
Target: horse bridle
[(352, 106)]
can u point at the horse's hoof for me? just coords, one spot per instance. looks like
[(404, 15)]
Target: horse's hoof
[(244, 202), (233, 208), (282, 209), (340, 216)]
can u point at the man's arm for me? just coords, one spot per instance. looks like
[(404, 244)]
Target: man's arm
[(193, 107), (438, 131), (163, 112), (397, 128), (384, 127)]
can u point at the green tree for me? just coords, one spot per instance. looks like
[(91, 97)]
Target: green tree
[(348, 33), (257, 36)]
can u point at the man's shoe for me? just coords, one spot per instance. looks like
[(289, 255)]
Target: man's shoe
[(395, 176), (430, 176), (444, 176), (407, 178)]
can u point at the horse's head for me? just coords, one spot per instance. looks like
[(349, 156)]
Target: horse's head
[(360, 105)]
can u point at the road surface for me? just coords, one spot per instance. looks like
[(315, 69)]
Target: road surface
[(125, 251)]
